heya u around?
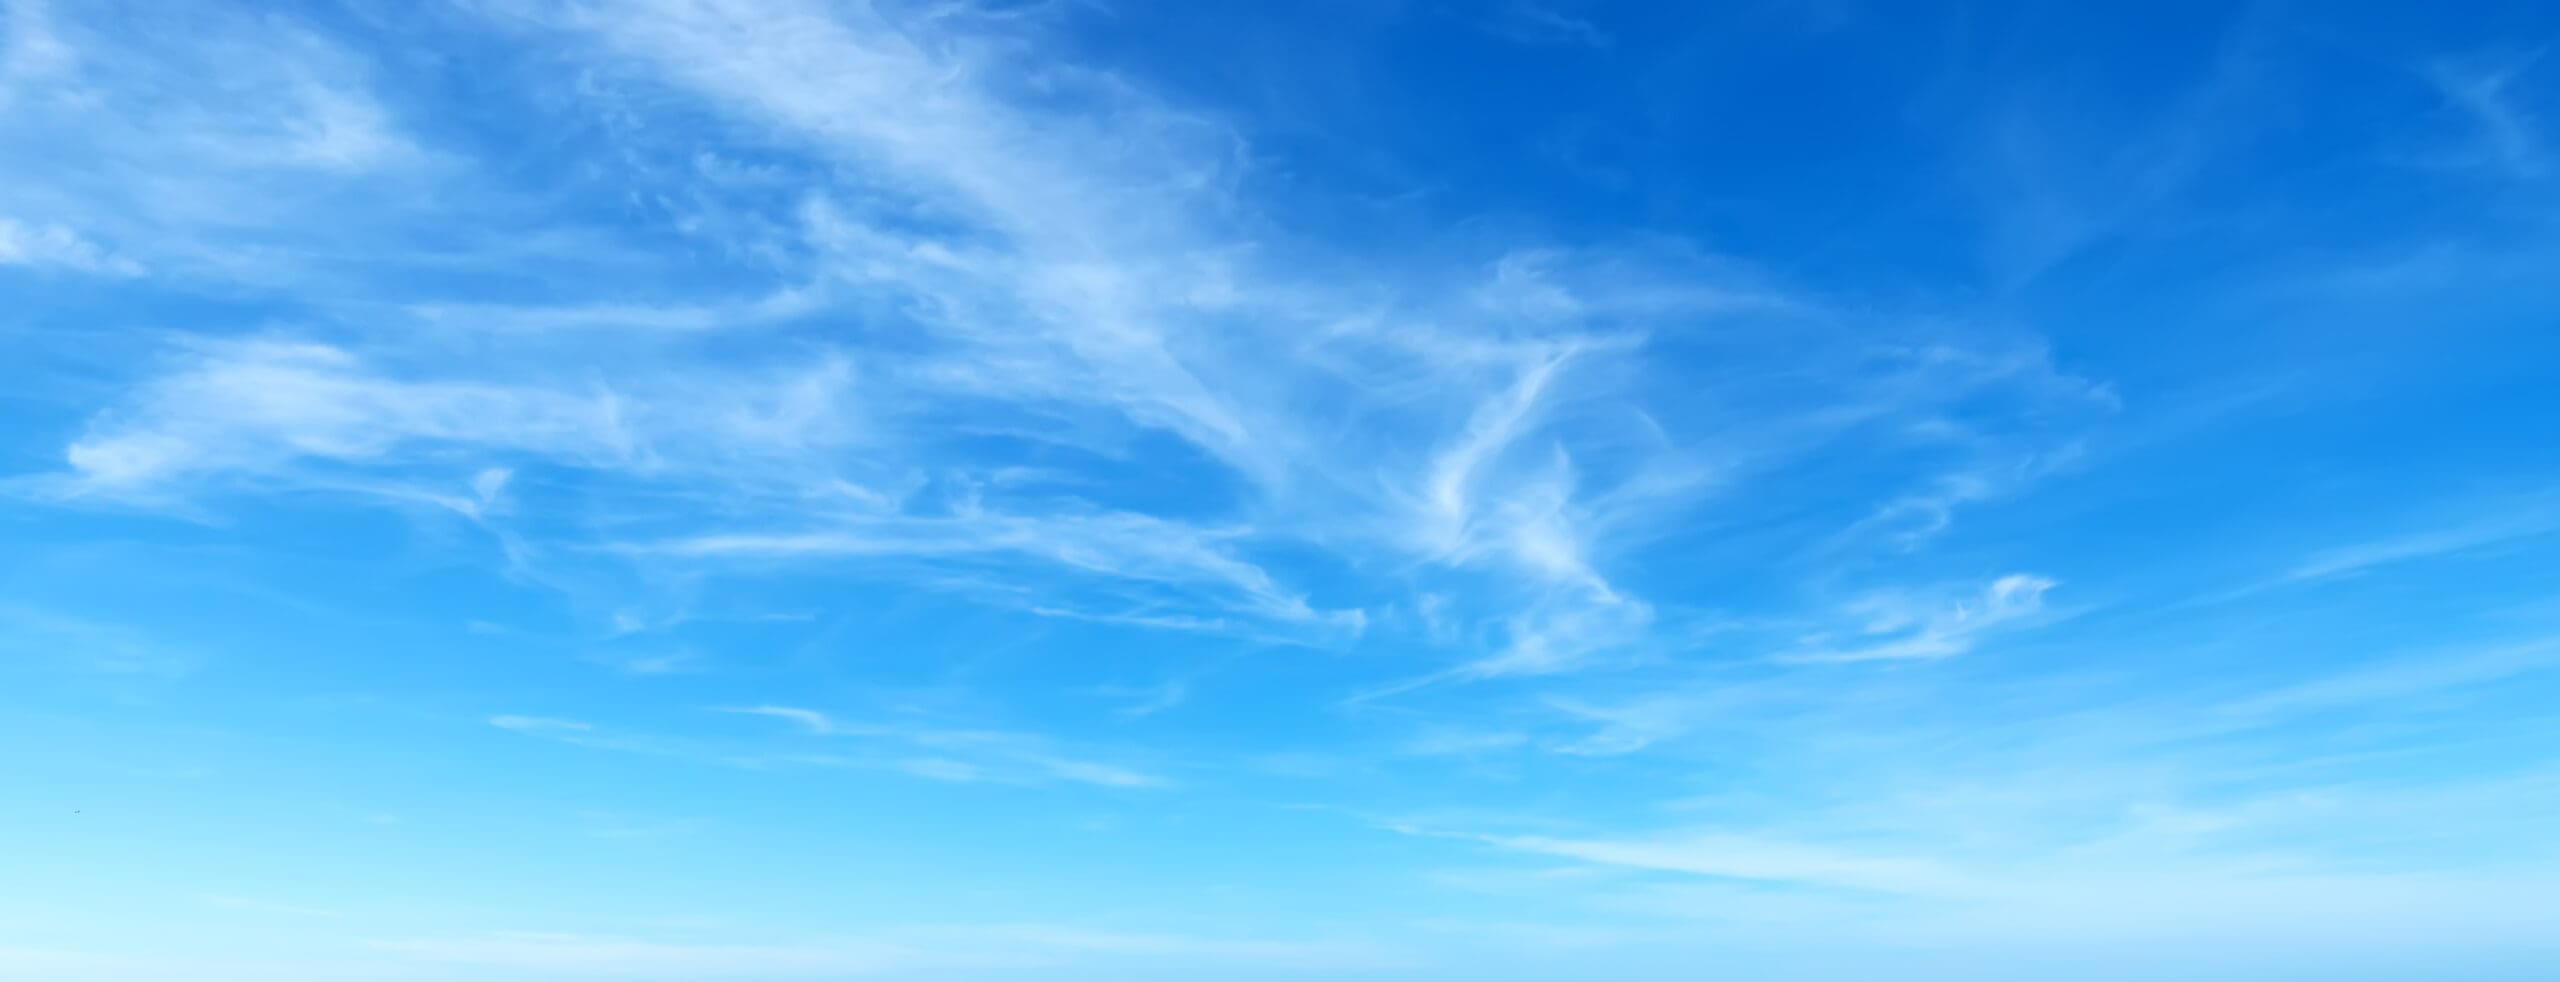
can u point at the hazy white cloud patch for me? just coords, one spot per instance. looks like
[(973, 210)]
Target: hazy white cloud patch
[(2490, 93), (57, 247)]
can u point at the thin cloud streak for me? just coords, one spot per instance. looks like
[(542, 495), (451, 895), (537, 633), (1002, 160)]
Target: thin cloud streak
[(926, 751)]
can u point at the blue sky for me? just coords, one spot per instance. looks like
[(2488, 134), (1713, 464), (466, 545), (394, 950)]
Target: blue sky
[(1488, 491)]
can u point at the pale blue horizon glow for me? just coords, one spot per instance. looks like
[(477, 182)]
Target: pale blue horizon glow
[(1490, 491)]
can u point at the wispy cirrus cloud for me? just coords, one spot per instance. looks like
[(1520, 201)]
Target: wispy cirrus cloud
[(920, 749), (1125, 296), (2526, 522), (2473, 527), (54, 639), (969, 754), (1075, 382), (2507, 136), (1925, 820), (1745, 858), (926, 947), (1175, 556), (134, 161), (252, 408), (1543, 23), (627, 957), (984, 317), (1898, 626)]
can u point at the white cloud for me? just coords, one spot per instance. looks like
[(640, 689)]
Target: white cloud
[(1457, 470), (31, 52), (808, 719), (1143, 701), (491, 482), (256, 906), (91, 646), (1561, 635), (939, 310), (1023, 267), (236, 151), (1041, 948), (622, 958), (2506, 134), (53, 246), (537, 724), (252, 406), (264, 408), (1534, 22), (1897, 626), (677, 662), (2522, 521), (1749, 858), (338, 130), (909, 746), (1453, 742), (2397, 679), (1124, 546)]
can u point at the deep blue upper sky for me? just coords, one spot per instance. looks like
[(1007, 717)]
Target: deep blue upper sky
[(1489, 491)]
